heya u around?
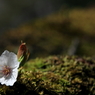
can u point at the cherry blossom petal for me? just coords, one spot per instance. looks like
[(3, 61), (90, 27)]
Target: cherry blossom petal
[(11, 57), (2, 80), (12, 78), (13, 61), (3, 60)]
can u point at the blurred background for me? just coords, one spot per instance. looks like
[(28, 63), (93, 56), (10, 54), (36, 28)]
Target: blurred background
[(49, 27)]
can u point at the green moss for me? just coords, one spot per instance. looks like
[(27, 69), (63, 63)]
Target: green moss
[(55, 75)]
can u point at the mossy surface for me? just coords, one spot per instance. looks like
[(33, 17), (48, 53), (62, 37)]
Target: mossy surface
[(55, 75)]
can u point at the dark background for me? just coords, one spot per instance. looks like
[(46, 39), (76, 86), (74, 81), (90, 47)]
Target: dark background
[(13, 12), (49, 27)]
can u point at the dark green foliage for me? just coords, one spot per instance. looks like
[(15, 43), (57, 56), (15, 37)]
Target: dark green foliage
[(63, 75)]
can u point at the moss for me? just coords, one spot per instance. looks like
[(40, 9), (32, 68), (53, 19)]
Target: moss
[(55, 75)]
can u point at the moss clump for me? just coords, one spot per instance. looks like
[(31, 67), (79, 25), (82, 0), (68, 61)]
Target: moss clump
[(63, 75)]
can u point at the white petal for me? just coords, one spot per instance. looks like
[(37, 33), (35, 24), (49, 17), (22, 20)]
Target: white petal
[(10, 80), (6, 52), (2, 80), (13, 61), (14, 73), (1, 67), (1, 75), (3, 60)]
